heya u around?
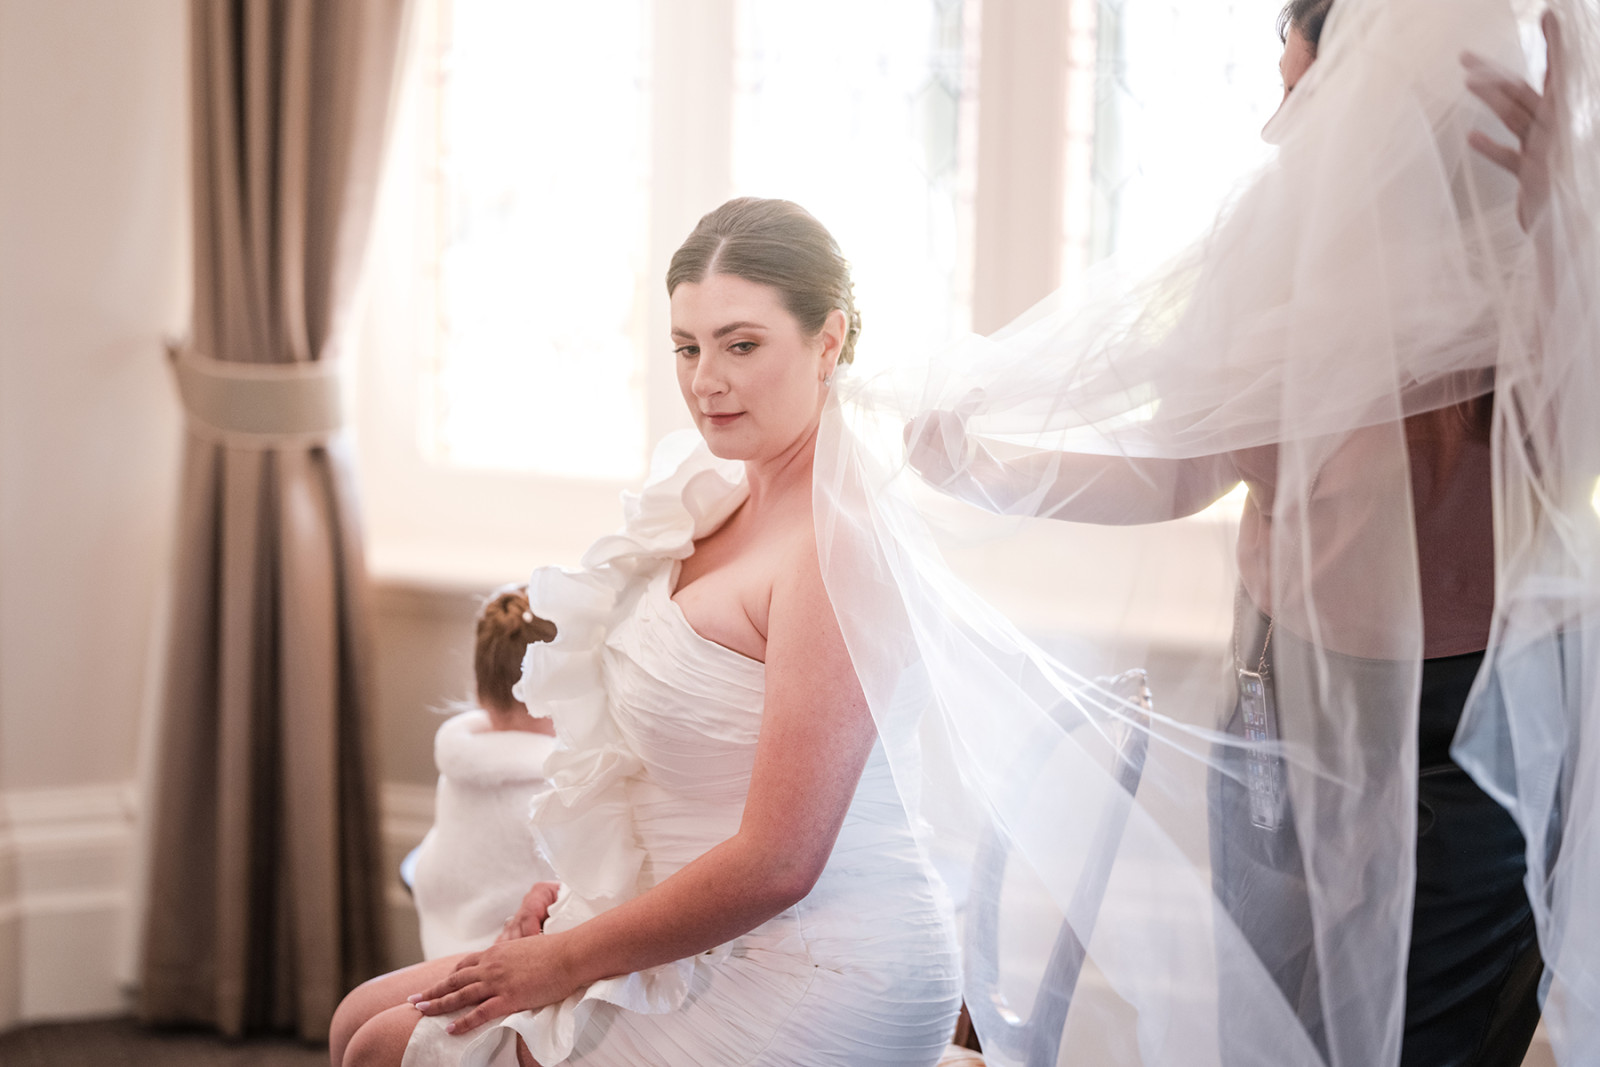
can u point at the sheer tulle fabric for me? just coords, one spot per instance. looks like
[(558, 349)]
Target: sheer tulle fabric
[(1373, 270), (1531, 733)]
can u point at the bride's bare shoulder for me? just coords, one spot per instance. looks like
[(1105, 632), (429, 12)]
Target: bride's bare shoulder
[(797, 583), (807, 659)]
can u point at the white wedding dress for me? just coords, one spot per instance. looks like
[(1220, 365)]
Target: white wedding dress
[(658, 730)]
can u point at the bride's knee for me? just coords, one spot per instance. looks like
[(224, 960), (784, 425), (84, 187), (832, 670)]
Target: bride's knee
[(358, 1007), (367, 1000), (381, 1040)]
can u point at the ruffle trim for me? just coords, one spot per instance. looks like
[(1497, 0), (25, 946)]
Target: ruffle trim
[(583, 820)]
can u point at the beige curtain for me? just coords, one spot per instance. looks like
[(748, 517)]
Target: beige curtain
[(266, 894)]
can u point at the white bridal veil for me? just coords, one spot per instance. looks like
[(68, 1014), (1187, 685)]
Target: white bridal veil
[(1074, 765)]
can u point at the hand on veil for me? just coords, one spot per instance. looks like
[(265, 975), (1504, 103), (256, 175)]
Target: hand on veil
[(1532, 117), (531, 913), (936, 442), (507, 977), (936, 446)]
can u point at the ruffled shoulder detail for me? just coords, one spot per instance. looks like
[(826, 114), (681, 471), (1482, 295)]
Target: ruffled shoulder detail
[(583, 820), (688, 493)]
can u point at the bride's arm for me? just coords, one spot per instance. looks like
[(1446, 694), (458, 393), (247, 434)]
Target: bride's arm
[(816, 733), (1073, 487)]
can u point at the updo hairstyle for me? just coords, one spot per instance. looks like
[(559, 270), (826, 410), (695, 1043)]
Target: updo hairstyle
[(1307, 16), (506, 627), (776, 243)]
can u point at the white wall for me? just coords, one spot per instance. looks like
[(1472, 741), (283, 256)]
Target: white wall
[(93, 275)]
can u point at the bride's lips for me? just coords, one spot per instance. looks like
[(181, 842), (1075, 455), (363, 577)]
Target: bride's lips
[(721, 419)]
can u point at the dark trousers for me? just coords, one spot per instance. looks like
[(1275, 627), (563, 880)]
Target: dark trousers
[(1472, 979), (1473, 970)]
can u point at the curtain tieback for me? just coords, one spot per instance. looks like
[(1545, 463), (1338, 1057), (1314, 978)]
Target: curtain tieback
[(260, 405)]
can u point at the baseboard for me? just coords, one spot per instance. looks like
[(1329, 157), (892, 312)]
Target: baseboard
[(66, 862), (68, 898)]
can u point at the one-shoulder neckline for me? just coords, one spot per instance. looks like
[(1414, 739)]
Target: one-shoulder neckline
[(669, 579)]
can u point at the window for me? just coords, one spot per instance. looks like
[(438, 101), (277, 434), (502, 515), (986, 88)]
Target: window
[(538, 338), (854, 110), (548, 158), (1183, 89)]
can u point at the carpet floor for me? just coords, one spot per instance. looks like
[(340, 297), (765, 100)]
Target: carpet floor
[(124, 1043)]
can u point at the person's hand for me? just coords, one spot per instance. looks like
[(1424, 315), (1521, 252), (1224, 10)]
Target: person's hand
[(936, 441), (512, 976), (1532, 117), (531, 913), (936, 446)]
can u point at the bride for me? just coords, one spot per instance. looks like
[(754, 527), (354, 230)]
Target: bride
[(739, 880)]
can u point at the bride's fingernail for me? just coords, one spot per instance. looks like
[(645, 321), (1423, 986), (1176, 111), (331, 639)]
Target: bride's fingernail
[(421, 1005), (413, 998), (450, 1028)]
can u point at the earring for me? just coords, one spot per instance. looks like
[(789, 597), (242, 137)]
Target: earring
[(827, 382)]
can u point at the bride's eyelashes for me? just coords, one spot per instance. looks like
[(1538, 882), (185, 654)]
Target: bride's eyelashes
[(743, 348)]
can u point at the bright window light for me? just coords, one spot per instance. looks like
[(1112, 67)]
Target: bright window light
[(544, 149), (863, 113), (1183, 91), (854, 111)]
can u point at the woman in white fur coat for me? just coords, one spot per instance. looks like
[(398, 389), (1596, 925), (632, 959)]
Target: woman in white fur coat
[(478, 862)]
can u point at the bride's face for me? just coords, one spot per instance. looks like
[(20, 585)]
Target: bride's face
[(751, 376)]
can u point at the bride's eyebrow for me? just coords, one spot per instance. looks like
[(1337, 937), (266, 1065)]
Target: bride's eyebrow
[(721, 331)]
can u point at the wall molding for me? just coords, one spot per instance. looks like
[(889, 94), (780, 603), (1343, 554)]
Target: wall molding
[(69, 898), (66, 893)]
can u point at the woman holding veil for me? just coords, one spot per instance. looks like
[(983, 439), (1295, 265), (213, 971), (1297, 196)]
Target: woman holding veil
[(1380, 327)]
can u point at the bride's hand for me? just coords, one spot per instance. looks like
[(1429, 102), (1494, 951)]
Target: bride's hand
[(1533, 118), (531, 913), (508, 977)]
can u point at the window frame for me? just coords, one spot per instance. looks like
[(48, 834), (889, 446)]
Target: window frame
[(432, 523)]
